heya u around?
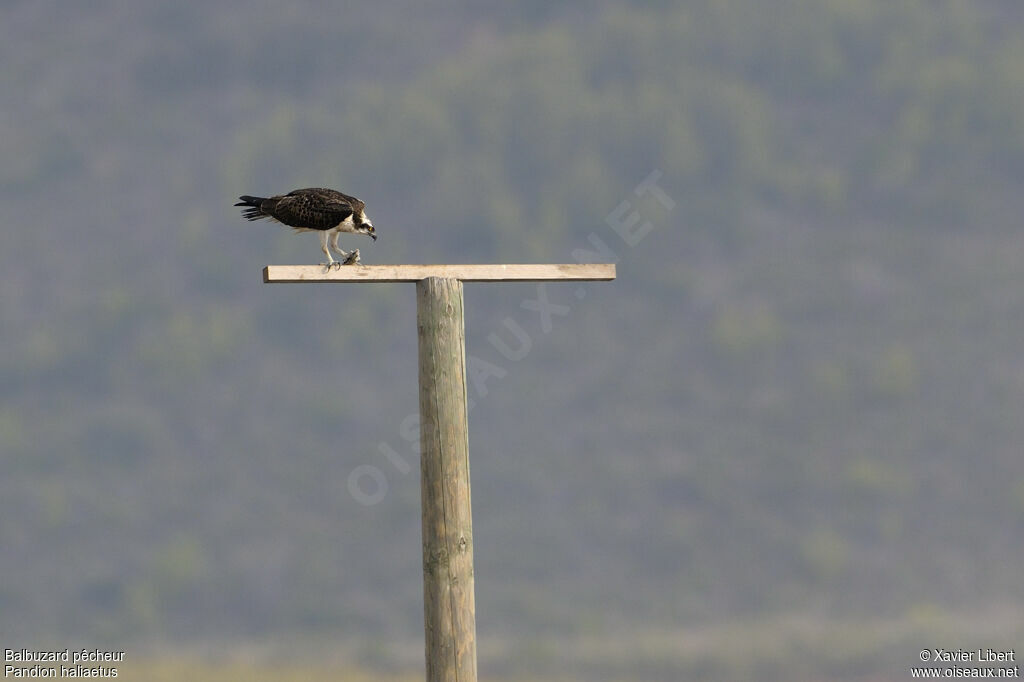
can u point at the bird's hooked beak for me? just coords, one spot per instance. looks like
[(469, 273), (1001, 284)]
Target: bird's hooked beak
[(374, 235)]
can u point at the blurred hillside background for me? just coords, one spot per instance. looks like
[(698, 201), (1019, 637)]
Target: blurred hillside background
[(785, 443)]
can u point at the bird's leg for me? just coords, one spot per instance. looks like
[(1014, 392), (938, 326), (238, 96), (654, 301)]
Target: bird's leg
[(347, 257), (334, 244), (327, 252)]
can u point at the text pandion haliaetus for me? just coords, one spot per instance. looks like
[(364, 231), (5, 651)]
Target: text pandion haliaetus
[(316, 209)]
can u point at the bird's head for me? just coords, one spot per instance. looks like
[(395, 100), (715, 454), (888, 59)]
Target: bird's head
[(365, 226)]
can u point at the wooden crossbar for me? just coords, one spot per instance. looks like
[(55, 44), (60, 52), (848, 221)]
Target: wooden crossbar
[(488, 272)]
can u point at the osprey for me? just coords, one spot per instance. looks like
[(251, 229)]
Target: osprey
[(316, 209)]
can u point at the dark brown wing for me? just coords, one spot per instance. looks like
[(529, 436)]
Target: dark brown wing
[(315, 208), (333, 198)]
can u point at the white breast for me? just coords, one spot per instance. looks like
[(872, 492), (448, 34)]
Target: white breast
[(346, 225)]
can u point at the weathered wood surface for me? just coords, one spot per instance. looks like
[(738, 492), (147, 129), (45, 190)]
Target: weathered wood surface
[(488, 272), (449, 608), (449, 604)]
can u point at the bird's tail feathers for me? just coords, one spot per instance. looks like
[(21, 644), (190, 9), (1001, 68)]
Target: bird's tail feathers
[(253, 207)]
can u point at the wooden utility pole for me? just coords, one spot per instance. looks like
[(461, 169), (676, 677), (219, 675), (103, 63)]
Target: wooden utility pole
[(449, 605)]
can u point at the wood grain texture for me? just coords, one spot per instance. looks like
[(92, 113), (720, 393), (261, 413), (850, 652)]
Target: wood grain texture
[(449, 605), (488, 272)]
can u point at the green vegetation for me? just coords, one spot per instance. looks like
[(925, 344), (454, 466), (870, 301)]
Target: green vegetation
[(779, 647), (801, 398), (173, 670)]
